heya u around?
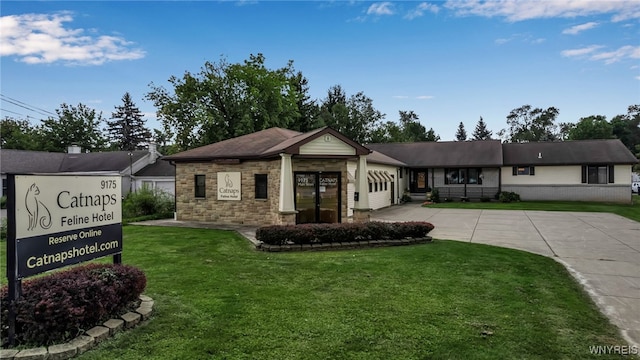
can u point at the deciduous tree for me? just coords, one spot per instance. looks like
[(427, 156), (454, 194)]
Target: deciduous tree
[(528, 124), (75, 125), (19, 134), (591, 127)]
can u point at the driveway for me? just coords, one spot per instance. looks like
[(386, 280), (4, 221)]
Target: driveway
[(601, 250)]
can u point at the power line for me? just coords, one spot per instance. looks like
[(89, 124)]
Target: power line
[(26, 106), (13, 112)]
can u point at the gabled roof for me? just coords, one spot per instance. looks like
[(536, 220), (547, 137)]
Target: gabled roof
[(158, 168), (100, 161), (379, 158), (484, 153), (579, 152), (26, 161), (262, 144)]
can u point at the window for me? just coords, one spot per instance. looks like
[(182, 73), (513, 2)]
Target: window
[(385, 186), (376, 186), (462, 176), (370, 187), (598, 174), (200, 186), (523, 170), (261, 186)]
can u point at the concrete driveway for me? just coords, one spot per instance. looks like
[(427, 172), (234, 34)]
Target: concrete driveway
[(601, 250)]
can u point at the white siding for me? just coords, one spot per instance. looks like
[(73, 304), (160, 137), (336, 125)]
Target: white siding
[(381, 198), (327, 145), (558, 175)]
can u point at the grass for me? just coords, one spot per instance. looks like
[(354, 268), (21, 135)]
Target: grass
[(631, 211), (217, 298)]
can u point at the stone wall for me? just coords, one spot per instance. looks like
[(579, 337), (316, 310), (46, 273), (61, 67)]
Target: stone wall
[(249, 210)]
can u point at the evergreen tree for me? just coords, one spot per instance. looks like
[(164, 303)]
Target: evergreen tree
[(481, 132), (461, 134), (127, 130)]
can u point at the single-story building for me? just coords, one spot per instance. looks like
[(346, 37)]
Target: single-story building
[(280, 176), (137, 168)]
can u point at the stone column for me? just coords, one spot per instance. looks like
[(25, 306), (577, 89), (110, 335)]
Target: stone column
[(361, 210), (286, 205)]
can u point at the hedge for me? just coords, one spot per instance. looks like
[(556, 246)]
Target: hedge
[(61, 306), (347, 232)]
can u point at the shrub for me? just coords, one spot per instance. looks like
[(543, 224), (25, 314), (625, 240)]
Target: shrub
[(60, 306), (146, 201), (3, 202), (435, 195), (348, 232), (3, 228), (485, 199), (508, 196)]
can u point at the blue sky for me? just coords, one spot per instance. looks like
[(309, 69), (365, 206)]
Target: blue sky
[(449, 61)]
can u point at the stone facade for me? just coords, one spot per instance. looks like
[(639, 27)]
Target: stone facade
[(249, 210)]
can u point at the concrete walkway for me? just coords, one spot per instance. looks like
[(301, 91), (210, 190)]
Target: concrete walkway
[(601, 250)]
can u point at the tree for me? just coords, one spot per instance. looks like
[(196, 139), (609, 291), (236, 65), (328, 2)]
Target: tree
[(19, 134), (75, 125), (481, 132), (408, 129), (307, 118), (227, 100), (127, 130), (591, 127), (461, 133), (431, 135), (355, 117), (627, 127), (527, 124)]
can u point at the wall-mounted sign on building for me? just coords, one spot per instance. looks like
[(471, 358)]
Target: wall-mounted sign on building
[(65, 220), (229, 186)]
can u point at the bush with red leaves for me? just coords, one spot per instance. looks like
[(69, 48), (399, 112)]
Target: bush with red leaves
[(347, 232), (61, 306)]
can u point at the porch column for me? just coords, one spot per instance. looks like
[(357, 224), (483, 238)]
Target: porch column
[(361, 210), (286, 205)]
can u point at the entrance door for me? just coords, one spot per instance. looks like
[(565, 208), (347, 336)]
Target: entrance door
[(419, 182), (317, 197)]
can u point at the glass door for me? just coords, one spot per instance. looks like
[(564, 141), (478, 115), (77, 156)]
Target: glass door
[(317, 197)]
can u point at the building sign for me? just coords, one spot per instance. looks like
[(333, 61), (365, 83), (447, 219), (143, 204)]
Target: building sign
[(65, 220), (229, 186)]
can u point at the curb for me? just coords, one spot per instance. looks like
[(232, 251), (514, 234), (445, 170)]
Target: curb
[(90, 339), (342, 245)]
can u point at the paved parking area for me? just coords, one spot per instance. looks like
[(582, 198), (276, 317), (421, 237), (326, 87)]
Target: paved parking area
[(601, 250)]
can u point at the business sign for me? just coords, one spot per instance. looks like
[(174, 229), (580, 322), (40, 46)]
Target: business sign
[(65, 219), (229, 186)]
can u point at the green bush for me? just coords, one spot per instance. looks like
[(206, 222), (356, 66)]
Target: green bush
[(348, 232), (60, 306), (508, 196), (145, 202), (3, 202), (3, 229), (435, 195)]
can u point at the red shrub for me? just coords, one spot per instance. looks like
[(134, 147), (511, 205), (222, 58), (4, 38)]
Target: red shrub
[(62, 305)]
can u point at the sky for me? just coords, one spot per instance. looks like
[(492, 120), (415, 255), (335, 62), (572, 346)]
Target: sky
[(448, 61)]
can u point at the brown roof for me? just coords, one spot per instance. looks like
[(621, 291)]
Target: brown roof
[(483, 153), (262, 144), (582, 152), (380, 158)]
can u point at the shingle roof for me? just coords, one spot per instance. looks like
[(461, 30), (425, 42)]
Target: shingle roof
[(159, 168), (380, 158), (486, 153), (25, 161), (261, 144), (584, 152)]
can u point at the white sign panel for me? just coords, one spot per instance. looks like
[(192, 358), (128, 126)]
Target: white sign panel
[(62, 220), (229, 186)]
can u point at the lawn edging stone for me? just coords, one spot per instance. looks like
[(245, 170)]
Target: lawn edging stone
[(342, 246), (88, 340)]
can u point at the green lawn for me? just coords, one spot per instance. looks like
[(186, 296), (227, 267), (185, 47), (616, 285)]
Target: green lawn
[(631, 211), (217, 298)]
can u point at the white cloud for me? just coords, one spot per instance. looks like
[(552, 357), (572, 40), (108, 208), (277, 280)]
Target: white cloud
[(524, 37), (383, 8), (581, 51), (624, 52), (424, 97), (517, 10), (609, 57), (419, 10), (580, 28), (43, 38), (400, 97)]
